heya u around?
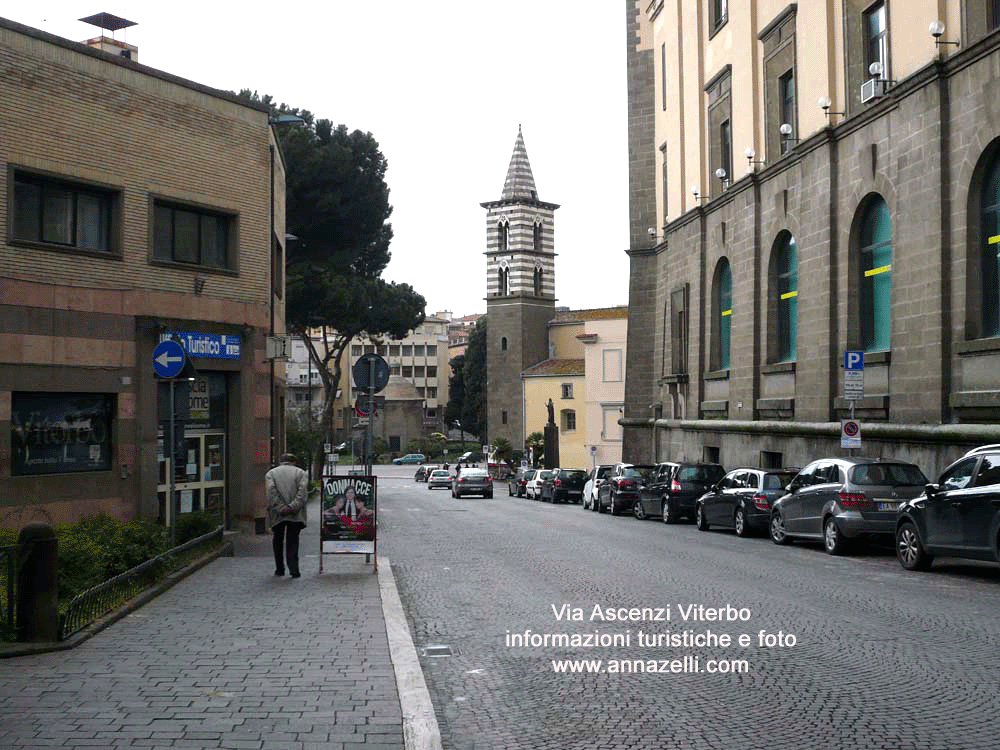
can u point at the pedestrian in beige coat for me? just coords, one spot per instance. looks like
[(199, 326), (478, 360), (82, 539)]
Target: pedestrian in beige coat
[(287, 492)]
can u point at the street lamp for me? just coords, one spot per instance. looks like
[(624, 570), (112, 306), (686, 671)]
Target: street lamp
[(462, 431)]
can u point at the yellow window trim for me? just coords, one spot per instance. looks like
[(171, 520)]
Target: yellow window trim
[(993, 240), (876, 271), (726, 312)]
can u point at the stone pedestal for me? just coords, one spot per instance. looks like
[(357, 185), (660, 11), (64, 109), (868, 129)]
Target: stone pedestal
[(551, 458)]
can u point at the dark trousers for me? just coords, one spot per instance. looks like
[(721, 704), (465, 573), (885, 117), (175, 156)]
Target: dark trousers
[(286, 539)]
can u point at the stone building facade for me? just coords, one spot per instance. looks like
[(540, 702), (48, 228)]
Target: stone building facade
[(869, 225), (136, 206)]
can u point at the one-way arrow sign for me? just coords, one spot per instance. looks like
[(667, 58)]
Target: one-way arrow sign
[(168, 359)]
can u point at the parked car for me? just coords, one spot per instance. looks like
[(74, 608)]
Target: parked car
[(472, 482), (522, 484), (471, 457), (742, 499), (956, 516), (515, 482), (410, 458), (531, 487), (593, 485), (424, 472), (836, 500), (439, 478), (620, 489), (675, 488), (564, 485)]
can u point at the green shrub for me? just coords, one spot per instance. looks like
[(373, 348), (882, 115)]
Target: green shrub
[(132, 544), (81, 560), (193, 525)]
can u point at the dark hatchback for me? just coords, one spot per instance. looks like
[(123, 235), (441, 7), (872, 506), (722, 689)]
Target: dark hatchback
[(836, 500), (516, 482), (620, 489), (957, 516), (564, 485), (675, 488), (742, 500)]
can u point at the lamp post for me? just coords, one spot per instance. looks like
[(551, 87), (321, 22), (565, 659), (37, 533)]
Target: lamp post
[(462, 431)]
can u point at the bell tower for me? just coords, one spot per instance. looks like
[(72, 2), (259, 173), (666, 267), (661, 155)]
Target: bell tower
[(520, 293)]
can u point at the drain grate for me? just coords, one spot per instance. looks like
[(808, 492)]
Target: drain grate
[(437, 650)]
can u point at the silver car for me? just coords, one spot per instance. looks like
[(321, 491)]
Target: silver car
[(439, 478), (472, 482)]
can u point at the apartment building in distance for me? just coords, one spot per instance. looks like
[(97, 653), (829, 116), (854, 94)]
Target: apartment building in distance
[(807, 180), (136, 206)]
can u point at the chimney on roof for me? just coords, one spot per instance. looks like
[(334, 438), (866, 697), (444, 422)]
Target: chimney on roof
[(109, 22)]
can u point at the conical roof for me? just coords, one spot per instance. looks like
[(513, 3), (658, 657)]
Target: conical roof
[(520, 183)]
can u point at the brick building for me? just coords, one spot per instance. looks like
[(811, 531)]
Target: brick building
[(806, 180), (136, 206)]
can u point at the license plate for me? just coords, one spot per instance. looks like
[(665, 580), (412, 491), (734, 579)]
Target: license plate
[(886, 505)]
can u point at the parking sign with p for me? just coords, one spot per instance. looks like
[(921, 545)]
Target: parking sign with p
[(854, 360)]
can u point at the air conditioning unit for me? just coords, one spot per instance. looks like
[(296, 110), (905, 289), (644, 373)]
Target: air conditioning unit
[(873, 88)]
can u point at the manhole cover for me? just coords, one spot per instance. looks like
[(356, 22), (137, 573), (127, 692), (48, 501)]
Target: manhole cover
[(437, 650)]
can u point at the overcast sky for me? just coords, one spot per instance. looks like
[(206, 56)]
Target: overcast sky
[(443, 86)]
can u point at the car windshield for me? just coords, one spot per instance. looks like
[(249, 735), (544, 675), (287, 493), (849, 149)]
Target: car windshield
[(888, 474), (573, 474), (440, 473), (777, 481), (707, 473), (473, 472), (638, 472)]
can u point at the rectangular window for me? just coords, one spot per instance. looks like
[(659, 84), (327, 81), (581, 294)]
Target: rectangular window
[(786, 102), (772, 460), (277, 268), (418, 371), (432, 371), (432, 392), (663, 75), (876, 38), (567, 390), (612, 361), (356, 350), (720, 13), (369, 349), (420, 392), (569, 421), (394, 369), (62, 213), (393, 350), (726, 149), (610, 429), (678, 330), (665, 183), (418, 350), (394, 443), (711, 454), (380, 350), (188, 235), (432, 350), (407, 350), (59, 433), (407, 371), (503, 416), (993, 15)]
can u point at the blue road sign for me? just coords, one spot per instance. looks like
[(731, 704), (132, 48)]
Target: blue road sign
[(168, 359), (854, 360)]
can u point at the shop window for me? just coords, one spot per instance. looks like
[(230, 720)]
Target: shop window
[(59, 433), (875, 265), (188, 235), (63, 214)]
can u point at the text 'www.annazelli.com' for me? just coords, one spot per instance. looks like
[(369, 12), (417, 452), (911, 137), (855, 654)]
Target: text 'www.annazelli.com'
[(687, 665)]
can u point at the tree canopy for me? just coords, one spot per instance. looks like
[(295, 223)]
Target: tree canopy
[(474, 380)]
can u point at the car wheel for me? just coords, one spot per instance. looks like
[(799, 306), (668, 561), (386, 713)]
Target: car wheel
[(638, 511), (611, 504), (669, 515), (909, 550), (778, 533), (834, 541), (740, 523), (595, 503), (699, 518)]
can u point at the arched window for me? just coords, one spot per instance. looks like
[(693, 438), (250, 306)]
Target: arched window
[(502, 228), (503, 280), (875, 255), (990, 246), (536, 236), (786, 290), (722, 298), (538, 281), (503, 344)]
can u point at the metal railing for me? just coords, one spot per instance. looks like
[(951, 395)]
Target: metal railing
[(8, 569), (95, 602)]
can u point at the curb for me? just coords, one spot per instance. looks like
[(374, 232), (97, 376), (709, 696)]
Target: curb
[(420, 727), (29, 649)]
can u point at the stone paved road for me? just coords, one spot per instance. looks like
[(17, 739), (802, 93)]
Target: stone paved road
[(231, 657), (884, 659)]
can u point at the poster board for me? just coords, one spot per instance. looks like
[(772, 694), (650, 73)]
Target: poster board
[(347, 515)]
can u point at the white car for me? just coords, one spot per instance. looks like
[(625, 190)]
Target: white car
[(439, 478), (590, 490), (533, 488)]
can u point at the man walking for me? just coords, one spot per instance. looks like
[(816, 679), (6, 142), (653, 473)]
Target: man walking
[(287, 492)]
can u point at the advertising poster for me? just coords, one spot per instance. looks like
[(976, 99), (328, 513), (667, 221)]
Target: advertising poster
[(348, 515)]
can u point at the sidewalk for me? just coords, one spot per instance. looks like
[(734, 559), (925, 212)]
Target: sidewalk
[(230, 657)]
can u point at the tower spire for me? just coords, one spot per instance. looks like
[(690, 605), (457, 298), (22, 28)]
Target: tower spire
[(520, 183)]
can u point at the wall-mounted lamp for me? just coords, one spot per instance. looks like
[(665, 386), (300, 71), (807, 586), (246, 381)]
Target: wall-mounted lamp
[(937, 29), (697, 194), (825, 103), (750, 154), (786, 132), (721, 174), (875, 70)]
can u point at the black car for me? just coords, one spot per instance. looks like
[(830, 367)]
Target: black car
[(836, 500), (516, 482), (742, 500), (675, 488), (564, 485), (620, 488), (958, 516)]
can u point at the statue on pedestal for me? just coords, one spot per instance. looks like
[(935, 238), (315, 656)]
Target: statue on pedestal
[(552, 411)]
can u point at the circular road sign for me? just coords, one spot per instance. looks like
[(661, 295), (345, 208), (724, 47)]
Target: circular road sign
[(362, 372), (168, 359), (851, 428)]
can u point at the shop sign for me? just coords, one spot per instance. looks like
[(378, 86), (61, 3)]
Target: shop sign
[(206, 345)]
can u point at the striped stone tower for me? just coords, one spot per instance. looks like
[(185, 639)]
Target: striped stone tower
[(520, 293)]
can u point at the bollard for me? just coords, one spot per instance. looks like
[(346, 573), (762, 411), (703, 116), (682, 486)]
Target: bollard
[(37, 584)]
